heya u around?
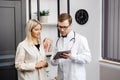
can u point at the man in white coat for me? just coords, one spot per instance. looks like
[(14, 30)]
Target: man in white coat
[(70, 65)]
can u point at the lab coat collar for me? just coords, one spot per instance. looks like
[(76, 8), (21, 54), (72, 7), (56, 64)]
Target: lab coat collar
[(70, 34), (30, 46)]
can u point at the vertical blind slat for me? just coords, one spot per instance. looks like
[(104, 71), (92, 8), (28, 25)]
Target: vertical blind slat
[(119, 31), (115, 28)]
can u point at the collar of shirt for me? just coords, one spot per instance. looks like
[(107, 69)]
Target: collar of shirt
[(69, 35)]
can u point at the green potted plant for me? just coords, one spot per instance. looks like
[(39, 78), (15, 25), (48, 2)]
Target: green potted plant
[(44, 16), (44, 13)]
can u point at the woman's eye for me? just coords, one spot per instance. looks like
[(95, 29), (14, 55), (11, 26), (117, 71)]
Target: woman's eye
[(36, 29)]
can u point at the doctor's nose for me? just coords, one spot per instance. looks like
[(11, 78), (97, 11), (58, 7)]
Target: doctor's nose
[(62, 29)]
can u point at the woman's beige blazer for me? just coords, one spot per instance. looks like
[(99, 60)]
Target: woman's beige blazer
[(27, 55)]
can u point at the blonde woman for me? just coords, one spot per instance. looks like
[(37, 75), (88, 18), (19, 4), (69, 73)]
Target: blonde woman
[(30, 60)]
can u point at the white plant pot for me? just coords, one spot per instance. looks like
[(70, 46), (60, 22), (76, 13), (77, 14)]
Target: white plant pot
[(44, 19)]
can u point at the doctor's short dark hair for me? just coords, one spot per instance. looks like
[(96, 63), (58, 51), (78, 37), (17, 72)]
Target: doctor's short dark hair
[(64, 16)]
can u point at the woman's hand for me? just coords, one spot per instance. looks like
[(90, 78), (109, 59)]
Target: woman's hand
[(41, 64), (47, 44)]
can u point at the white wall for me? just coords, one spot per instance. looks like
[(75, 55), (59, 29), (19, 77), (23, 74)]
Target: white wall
[(91, 29)]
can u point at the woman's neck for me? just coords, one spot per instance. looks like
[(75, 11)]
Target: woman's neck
[(35, 41)]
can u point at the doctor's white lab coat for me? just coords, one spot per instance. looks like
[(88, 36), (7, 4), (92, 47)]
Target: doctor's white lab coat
[(72, 68), (27, 55)]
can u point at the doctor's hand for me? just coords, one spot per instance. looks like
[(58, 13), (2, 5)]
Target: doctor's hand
[(66, 55), (41, 64)]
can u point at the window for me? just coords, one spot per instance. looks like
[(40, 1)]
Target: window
[(111, 30)]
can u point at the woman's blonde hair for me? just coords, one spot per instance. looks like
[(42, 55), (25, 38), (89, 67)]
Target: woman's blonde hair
[(29, 26)]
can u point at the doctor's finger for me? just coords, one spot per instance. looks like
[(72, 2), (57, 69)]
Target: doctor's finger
[(64, 56)]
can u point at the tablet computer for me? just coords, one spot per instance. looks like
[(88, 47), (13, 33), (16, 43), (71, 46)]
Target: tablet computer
[(58, 54)]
